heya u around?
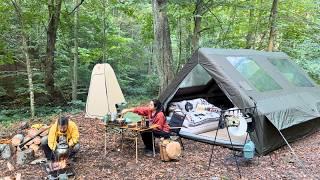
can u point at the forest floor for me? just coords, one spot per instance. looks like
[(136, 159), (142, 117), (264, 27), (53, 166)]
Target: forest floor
[(92, 164)]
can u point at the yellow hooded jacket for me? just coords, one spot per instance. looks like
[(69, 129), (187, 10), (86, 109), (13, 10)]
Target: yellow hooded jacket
[(54, 133)]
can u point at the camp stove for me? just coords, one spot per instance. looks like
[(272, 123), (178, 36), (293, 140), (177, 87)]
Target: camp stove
[(61, 170)]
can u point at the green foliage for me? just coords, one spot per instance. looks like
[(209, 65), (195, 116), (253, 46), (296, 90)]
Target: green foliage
[(307, 55), (2, 91), (8, 116)]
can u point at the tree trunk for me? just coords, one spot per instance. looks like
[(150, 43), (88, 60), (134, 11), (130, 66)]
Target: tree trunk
[(150, 59), (273, 18), (54, 7), (180, 45), (75, 61), (250, 38), (104, 46), (29, 72), (163, 48), (197, 25), (25, 51)]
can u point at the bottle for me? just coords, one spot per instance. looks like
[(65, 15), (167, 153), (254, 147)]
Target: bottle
[(143, 122)]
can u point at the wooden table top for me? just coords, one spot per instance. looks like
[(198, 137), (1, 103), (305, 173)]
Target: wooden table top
[(140, 129)]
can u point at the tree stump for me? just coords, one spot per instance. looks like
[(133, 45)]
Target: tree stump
[(24, 157)]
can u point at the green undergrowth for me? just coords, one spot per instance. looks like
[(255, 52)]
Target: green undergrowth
[(9, 116), (43, 113)]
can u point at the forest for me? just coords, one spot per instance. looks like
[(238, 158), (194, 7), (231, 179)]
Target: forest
[(48, 48)]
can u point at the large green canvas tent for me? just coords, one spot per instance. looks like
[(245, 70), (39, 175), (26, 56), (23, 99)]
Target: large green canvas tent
[(287, 100)]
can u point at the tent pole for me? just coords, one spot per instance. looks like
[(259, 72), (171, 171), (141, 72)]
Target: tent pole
[(109, 112), (215, 138)]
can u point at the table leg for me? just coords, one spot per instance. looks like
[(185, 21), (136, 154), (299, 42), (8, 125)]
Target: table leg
[(121, 139), (153, 148), (105, 142), (136, 138)]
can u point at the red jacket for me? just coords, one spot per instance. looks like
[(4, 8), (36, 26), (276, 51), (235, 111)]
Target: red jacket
[(159, 119)]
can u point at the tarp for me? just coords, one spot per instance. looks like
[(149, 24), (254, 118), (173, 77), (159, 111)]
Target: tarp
[(104, 92), (286, 98)]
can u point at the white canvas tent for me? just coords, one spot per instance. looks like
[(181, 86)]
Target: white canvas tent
[(104, 92)]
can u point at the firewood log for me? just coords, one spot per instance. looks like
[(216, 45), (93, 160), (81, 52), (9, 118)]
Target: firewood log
[(37, 140), (32, 132), (26, 139), (45, 133), (34, 147), (17, 139)]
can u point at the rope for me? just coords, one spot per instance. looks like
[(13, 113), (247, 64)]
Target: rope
[(296, 156)]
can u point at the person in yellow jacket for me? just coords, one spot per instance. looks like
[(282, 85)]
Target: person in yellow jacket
[(62, 127)]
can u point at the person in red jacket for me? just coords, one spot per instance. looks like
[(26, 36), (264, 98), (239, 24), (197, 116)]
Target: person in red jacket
[(154, 112)]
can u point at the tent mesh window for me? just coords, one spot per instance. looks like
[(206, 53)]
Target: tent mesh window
[(250, 70), (200, 84), (291, 73), (197, 77)]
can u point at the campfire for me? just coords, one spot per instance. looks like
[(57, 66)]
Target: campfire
[(59, 169), (58, 165)]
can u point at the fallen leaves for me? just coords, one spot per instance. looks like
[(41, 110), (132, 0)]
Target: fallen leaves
[(10, 166), (92, 164)]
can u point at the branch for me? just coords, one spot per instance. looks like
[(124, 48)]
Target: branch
[(74, 9), (219, 21), (17, 9), (204, 29)]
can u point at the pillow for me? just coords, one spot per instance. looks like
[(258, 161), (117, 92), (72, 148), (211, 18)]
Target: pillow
[(196, 119)]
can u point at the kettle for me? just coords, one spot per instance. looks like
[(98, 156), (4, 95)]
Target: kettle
[(62, 150)]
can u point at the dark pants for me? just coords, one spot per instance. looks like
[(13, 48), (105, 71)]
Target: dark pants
[(50, 155), (147, 137)]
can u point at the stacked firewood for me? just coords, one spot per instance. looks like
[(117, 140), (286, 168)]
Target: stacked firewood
[(30, 133)]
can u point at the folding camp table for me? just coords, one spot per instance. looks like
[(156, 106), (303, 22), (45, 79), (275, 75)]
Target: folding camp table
[(248, 113), (119, 129), (136, 133)]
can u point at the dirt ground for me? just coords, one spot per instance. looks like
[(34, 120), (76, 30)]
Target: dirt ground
[(92, 164)]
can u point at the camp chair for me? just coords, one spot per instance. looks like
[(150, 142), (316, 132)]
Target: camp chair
[(175, 124)]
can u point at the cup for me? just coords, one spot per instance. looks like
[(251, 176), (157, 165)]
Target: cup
[(113, 116)]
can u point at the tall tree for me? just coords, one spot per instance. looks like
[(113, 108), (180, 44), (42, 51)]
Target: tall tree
[(273, 18), (25, 51), (104, 40), (250, 36), (75, 57), (197, 16), (54, 8), (163, 49)]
